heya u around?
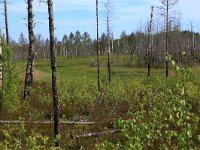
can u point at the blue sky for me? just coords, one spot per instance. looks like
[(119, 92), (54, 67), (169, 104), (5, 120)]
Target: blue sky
[(72, 15)]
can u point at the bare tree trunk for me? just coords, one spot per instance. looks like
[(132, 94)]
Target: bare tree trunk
[(150, 44), (193, 47), (108, 11), (53, 67), (167, 5), (98, 64), (166, 38), (1, 71), (31, 55), (6, 20)]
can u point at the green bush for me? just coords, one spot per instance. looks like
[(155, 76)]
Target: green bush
[(165, 115), (11, 100)]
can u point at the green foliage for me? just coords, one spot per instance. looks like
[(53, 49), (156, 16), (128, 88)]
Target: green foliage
[(166, 117), (155, 113), (77, 96), (10, 81), (16, 138), (107, 146)]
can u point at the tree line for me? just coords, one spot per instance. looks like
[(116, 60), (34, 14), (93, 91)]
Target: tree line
[(183, 46)]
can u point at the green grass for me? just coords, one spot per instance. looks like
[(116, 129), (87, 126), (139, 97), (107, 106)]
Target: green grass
[(77, 68)]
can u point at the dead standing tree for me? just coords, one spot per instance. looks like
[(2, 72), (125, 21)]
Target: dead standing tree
[(98, 64), (150, 44), (31, 54), (6, 21), (1, 67), (167, 5), (109, 10), (53, 67), (193, 44)]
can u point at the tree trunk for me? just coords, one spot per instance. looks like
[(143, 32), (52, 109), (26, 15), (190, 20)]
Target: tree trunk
[(108, 37), (31, 55), (166, 38), (193, 48), (1, 73), (6, 21), (150, 44), (53, 67), (98, 64)]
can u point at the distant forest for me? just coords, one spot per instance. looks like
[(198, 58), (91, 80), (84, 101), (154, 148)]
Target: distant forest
[(184, 46)]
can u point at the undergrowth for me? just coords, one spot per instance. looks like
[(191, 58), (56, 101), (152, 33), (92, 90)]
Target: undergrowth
[(151, 114)]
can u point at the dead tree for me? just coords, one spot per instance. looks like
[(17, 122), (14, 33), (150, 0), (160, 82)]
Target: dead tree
[(31, 54), (98, 64), (150, 44), (193, 47), (6, 21), (193, 44), (109, 9), (53, 67), (1, 73), (167, 5)]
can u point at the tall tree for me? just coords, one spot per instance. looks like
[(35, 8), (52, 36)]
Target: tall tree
[(1, 63), (167, 5), (97, 48), (31, 54), (193, 44), (150, 44), (6, 20), (53, 67), (108, 9)]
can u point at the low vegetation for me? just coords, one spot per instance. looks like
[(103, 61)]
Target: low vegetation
[(149, 113)]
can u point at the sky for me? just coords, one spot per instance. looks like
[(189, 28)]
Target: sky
[(73, 15)]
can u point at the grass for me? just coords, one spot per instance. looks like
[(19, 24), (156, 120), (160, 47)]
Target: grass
[(70, 68)]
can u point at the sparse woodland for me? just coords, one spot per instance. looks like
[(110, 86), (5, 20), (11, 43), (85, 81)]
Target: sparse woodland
[(138, 91)]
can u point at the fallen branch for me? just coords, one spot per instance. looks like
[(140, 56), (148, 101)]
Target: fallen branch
[(45, 122), (96, 134)]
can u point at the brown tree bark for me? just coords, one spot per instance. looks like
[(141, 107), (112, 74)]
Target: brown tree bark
[(53, 67), (6, 21), (31, 55)]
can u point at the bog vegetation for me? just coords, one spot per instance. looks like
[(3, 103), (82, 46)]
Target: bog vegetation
[(149, 113), (142, 107)]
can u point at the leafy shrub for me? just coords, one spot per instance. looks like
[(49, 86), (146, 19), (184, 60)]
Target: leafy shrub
[(165, 115), (16, 138), (77, 96), (11, 100)]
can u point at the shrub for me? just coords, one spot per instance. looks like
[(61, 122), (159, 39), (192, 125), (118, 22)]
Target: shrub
[(11, 100)]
